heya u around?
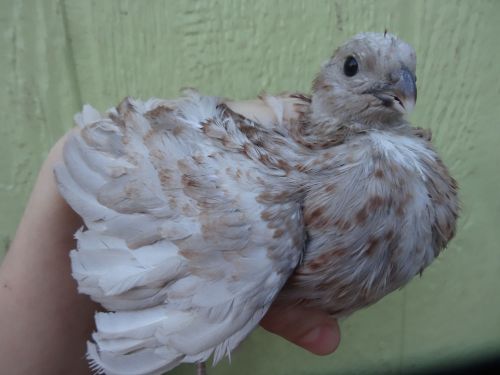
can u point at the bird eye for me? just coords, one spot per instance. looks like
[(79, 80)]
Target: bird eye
[(350, 66)]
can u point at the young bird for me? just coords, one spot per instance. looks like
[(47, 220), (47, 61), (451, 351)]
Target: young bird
[(200, 212)]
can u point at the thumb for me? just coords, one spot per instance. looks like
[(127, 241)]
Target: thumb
[(310, 329)]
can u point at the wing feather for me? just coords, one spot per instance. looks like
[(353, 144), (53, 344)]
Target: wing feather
[(175, 245)]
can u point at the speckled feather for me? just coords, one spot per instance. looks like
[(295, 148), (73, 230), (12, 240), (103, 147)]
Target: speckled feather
[(198, 210)]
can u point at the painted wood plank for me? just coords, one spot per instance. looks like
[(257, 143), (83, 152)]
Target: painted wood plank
[(38, 98)]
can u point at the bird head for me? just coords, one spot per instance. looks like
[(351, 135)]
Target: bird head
[(370, 80)]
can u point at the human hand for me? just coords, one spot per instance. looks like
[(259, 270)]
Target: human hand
[(310, 329)]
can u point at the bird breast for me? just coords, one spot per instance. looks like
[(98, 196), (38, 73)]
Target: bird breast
[(379, 209)]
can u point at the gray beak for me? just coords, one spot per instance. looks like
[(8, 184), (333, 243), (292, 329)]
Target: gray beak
[(405, 90), (400, 95)]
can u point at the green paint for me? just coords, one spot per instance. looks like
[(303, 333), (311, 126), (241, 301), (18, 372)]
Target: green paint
[(58, 54)]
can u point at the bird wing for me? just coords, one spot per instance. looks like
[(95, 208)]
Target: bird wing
[(183, 243)]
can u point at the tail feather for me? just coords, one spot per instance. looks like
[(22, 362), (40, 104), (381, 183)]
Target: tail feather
[(106, 265), (140, 323), (159, 338), (147, 361), (123, 345)]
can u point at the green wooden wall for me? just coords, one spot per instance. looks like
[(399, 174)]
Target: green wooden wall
[(57, 55)]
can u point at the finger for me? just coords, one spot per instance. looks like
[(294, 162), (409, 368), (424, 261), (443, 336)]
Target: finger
[(311, 329)]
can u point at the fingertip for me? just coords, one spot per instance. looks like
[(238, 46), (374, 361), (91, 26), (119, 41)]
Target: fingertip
[(321, 340), (310, 329)]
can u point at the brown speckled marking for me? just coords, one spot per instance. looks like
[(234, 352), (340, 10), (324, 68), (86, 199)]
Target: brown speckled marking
[(278, 197), (389, 235), (278, 233), (339, 252), (264, 159), (230, 255), (335, 253), (246, 148), (375, 202), (266, 215), (264, 197), (172, 202), (125, 106), (259, 179), (189, 254), (349, 159), (177, 130), (284, 166), (272, 225), (212, 274), (118, 120), (300, 167), (151, 133), (126, 139), (314, 265), (188, 210), (372, 245), (131, 191), (189, 181), (198, 159), (370, 62), (165, 177), (327, 155), (205, 125), (362, 215), (313, 216), (320, 84), (321, 287), (156, 154), (183, 166), (343, 225), (423, 133), (300, 96), (250, 131), (158, 112), (379, 173), (401, 206), (392, 249), (330, 188)]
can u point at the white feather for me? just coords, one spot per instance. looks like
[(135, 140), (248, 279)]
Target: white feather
[(179, 293)]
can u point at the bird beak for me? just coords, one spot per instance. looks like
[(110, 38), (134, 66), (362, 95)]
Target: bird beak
[(405, 91), (400, 95)]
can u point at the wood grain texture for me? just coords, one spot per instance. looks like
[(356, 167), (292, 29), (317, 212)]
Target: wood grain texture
[(38, 96), (58, 54)]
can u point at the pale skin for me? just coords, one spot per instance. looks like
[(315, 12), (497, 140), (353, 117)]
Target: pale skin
[(45, 323)]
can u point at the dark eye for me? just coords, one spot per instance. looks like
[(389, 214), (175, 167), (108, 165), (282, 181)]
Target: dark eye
[(350, 66)]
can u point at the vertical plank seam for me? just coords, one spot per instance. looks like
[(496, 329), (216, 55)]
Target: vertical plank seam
[(73, 74), (402, 353)]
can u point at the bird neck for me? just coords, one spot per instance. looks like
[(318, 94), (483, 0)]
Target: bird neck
[(318, 130), (327, 123)]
